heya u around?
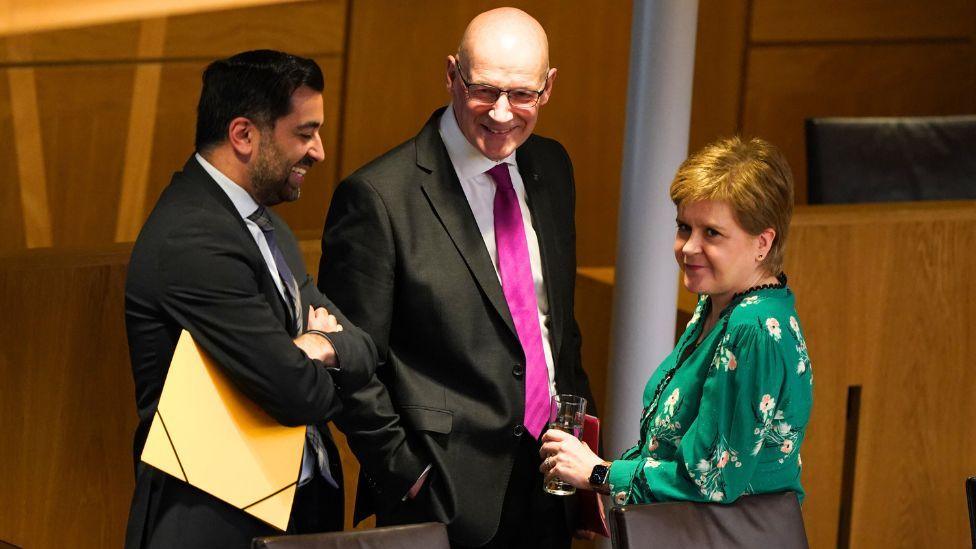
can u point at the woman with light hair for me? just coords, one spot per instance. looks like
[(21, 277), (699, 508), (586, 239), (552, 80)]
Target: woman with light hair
[(725, 413)]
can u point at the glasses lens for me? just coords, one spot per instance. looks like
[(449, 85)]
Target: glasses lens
[(483, 94), (522, 98)]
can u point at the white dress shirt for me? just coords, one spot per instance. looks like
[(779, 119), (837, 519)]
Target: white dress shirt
[(246, 205), (479, 188)]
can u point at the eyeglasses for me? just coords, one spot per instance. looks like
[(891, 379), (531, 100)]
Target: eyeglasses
[(488, 95)]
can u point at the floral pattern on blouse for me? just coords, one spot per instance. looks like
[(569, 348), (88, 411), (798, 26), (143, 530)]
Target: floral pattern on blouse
[(727, 416)]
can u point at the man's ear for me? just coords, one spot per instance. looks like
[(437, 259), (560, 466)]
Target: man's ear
[(243, 135), (544, 98), (449, 72)]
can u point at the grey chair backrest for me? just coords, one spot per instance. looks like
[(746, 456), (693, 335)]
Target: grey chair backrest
[(763, 521), (853, 160), (431, 535)]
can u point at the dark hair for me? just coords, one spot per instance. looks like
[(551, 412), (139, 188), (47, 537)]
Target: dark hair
[(254, 84)]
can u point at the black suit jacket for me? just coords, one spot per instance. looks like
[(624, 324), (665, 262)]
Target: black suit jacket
[(195, 266), (403, 257)]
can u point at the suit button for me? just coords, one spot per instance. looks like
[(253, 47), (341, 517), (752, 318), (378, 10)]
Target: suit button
[(518, 370), (518, 430)]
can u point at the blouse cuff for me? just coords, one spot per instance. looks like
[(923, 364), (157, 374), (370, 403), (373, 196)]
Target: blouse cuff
[(620, 479)]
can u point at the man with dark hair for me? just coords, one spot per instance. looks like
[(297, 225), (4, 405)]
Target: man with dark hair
[(214, 260), (456, 252)]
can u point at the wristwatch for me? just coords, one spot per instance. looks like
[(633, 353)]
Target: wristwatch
[(598, 477)]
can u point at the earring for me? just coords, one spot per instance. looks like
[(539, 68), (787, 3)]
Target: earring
[(760, 257)]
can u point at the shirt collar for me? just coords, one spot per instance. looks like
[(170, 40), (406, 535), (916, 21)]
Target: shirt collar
[(467, 160), (242, 201)]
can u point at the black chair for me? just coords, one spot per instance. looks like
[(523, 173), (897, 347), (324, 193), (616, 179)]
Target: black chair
[(971, 498), (431, 535), (767, 520), (890, 159)]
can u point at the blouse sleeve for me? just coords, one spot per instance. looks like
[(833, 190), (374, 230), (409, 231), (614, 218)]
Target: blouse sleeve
[(717, 456)]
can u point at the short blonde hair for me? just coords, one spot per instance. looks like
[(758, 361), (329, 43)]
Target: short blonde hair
[(752, 177)]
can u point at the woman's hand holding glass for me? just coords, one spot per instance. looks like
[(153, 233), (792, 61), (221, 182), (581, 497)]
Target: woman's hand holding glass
[(568, 458)]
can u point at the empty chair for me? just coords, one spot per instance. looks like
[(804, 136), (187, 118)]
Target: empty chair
[(431, 535), (891, 159), (767, 520)]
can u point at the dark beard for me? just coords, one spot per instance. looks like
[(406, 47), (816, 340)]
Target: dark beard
[(269, 177)]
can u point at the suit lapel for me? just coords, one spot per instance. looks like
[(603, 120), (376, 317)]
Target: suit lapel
[(443, 191), (540, 206), (199, 177)]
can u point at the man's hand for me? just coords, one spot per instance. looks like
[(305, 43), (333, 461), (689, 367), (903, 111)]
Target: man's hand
[(315, 345)]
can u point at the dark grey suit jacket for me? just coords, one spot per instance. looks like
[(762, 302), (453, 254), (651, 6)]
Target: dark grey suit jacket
[(403, 257), (195, 266)]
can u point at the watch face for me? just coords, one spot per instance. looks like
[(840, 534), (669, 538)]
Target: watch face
[(599, 474)]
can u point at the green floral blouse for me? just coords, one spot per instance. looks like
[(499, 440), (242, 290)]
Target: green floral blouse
[(727, 417)]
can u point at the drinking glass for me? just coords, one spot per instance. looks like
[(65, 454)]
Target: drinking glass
[(566, 413)]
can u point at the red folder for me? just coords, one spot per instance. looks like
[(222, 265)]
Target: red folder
[(591, 515)]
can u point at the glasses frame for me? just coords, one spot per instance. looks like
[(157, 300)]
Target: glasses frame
[(468, 85)]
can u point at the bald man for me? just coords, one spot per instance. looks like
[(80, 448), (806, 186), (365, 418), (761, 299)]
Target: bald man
[(456, 252)]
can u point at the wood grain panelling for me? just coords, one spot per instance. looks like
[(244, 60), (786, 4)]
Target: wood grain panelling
[(67, 413), (19, 16), (719, 57), (11, 217), (84, 115), (138, 144), (309, 28), (101, 42), (31, 170), (394, 83), (812, 20), (886, 303), (785, 85)]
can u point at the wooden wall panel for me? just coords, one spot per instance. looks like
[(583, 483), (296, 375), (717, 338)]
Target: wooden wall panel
[(19, 16), (886, 302), (84, 114), (808, 20), (307, 28), (11, 216), (586, 112), (720, 54), (763, 66), (67, 413), (786, 85)]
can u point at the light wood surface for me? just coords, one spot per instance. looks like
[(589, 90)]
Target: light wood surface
[(20, 16), (886, 300)]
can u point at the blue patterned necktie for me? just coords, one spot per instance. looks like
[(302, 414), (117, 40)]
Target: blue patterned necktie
[(260, 216)]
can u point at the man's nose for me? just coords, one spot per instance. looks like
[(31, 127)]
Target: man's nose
[(317, 152), (501, 111)]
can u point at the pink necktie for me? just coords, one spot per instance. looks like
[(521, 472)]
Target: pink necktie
[(516, 274)]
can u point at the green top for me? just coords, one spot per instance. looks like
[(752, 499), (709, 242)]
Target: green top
[(727, 417)]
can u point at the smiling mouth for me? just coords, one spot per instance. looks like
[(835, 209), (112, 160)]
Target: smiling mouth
[(498, 132), (300, 170)]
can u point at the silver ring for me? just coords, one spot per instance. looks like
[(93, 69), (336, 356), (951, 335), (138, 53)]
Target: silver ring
[(549, 462)]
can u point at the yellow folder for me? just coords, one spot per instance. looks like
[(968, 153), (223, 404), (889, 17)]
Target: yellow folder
[(208, 434)]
